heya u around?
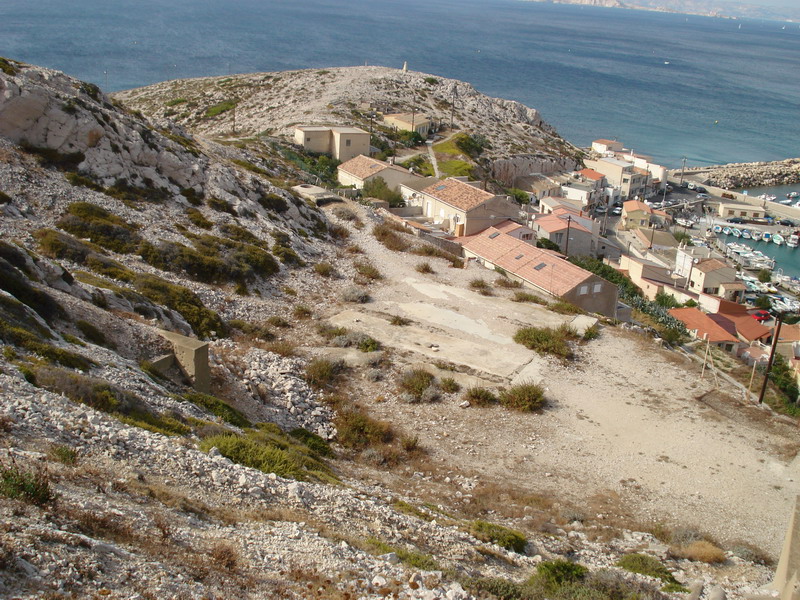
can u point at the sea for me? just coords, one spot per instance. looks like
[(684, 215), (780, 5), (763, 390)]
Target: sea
[(672, 86)]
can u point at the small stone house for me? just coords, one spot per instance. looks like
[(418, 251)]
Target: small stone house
[(744, 211), (712, 276), (409, 122), (341, 143), (637, 214), (702, 327)]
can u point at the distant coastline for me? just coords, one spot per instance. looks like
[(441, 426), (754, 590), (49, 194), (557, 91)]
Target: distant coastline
[(691, 7)]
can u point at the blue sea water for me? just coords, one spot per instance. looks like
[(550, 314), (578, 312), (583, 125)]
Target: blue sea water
[(729, 93)]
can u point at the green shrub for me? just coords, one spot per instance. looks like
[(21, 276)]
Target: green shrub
[(547, 340), (554, 574), (376, 187), (283, 348), (203, 321), (505, 282), (525, 397), (527, 297), (591, 333), (287, 256), (313, 441), (271, 451), (301, 311), (80, 181), (175, 102), (399, 321), (273, 202), (91, 333), (510, 539), (16, 283), (368, 344), (322, 373), (53, 158), (387, 235), (646, 565), (449, 385), (357, 430), (429, 250), (324, 269), (221, 206), (497, 587), (330, 331), (218, 109), (198, 219), (480, 396), (278, 321), (424, 267), (86, 220), (368, 270), (30, 486), (28, 341), (63, 454), (218, 407), (356, 295), (415, 382), (9, 67), (565, 308)]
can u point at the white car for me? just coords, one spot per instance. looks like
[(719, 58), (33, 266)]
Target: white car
[(703, 196)]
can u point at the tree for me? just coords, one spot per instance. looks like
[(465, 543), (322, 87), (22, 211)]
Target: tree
[(519, 196), (763, 302), (666, 300), (377, 188), (547, 244), (472, 145), (765, 276)]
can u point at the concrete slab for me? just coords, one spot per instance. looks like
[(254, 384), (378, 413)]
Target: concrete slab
[(493, 357), (582, 322), (351, 356)]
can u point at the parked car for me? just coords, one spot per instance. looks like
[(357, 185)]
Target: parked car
[(703, 196), (600, 210), (617, 210), (691, 185), (761, 315), (700, 188), (739, 220), (786, 222)]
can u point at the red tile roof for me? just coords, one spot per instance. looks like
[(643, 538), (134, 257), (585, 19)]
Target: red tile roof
[(708, 265), (602, 141), (789, 333), (508, 226), (591, 174), (552, 223), (458, 194), (633, 205), (542, 268), (707, 329), (363, 166)]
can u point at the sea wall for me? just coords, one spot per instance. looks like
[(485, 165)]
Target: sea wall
[(745, 175)]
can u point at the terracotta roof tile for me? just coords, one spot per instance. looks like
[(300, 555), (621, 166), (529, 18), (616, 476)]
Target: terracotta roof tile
[(458, 194), (632, 205), (552, 223), (591, 174), (695, 319), (363, 166), (710, 264)]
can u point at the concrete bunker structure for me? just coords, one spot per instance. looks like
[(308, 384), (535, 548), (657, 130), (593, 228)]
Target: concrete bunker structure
[(191, 355)]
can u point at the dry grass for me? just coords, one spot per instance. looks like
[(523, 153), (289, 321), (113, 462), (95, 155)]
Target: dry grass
[(701, 551)]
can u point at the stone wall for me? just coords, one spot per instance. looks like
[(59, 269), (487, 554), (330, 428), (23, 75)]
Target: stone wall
[(507, 170)]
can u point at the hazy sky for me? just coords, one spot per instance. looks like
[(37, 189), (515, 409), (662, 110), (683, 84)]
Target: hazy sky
[(778, 3)]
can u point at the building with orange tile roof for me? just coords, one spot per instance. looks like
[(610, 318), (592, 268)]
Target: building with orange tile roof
[(702, 327), (359, 170), (712, 276), (462, 208), (542, 270)]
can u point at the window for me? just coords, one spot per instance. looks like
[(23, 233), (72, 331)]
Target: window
[(743, 213), (625, 179), (527, 236), (597, 288), (347, 143), (494, 235), (308, 139), (540, 266), (583, 290)]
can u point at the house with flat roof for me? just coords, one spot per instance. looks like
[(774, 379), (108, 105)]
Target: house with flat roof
[(461, 207), (712, 276), (602, 146), (539, 185), (542, 270), (409, 122), (359, 170), (744, 211), (341, 143), (620, 174)]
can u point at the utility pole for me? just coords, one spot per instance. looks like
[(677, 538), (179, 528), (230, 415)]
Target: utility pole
[(566, 245), (683, 168), (452, 108), (779, 320)]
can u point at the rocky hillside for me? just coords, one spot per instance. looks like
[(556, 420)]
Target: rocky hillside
[(272, 103), (119, 480)]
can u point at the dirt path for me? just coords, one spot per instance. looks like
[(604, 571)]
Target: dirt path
[(626, 420)]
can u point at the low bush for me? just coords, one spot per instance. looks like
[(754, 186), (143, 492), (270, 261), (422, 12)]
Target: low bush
[(478, 284), (197, 218), (527, 297), (399, 321), (449, 385), (89, 221), (91, 333), (554, 574), (270, 450), (646, 565), (63, 454), (412, 558), (354, 249), (322, 373), (26, 340), (424, 267), (17, 284), (367, 270), (525, 397), (256, 330), (357, 430), (29, 486), (338, 232), (313, 441), (565, 308), (204, 322), (415, 382), (355, 295), (218, 407), (505, 282), (273, 202), (219, 108), (480, 396), (547, 340), (324, 269), (591, 333), (701, 551), (345, 214), (220, 205), (388, 235), (301, 311), (510, 539), (282, 348), (433, 251)]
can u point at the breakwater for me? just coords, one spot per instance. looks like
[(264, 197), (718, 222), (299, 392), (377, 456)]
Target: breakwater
[(746, 175)]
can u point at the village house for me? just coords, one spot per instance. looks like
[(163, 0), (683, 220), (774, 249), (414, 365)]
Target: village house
[(702, 327), (657, 174), (409, 122), (541, 186), (542, 270), (744, 211), (341, 143), (622, 175), (636, 214), (574, 232), (737, 318), (551, 203), (602, 146), (517, 231), (361, 169), (654, 240), (460, 207), (712, 276), (649, 277)]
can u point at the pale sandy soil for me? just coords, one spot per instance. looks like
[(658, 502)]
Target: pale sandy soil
[(627, 422)]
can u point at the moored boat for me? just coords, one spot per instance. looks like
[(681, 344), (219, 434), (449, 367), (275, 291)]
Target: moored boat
[(756, 234), (736, 232), (793, 240), (726, 230), (717, 229), (766, 236), (746, 234), (778, 239)]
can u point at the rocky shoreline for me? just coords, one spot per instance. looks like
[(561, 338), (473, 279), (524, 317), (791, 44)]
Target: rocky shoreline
[(755, 174)]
